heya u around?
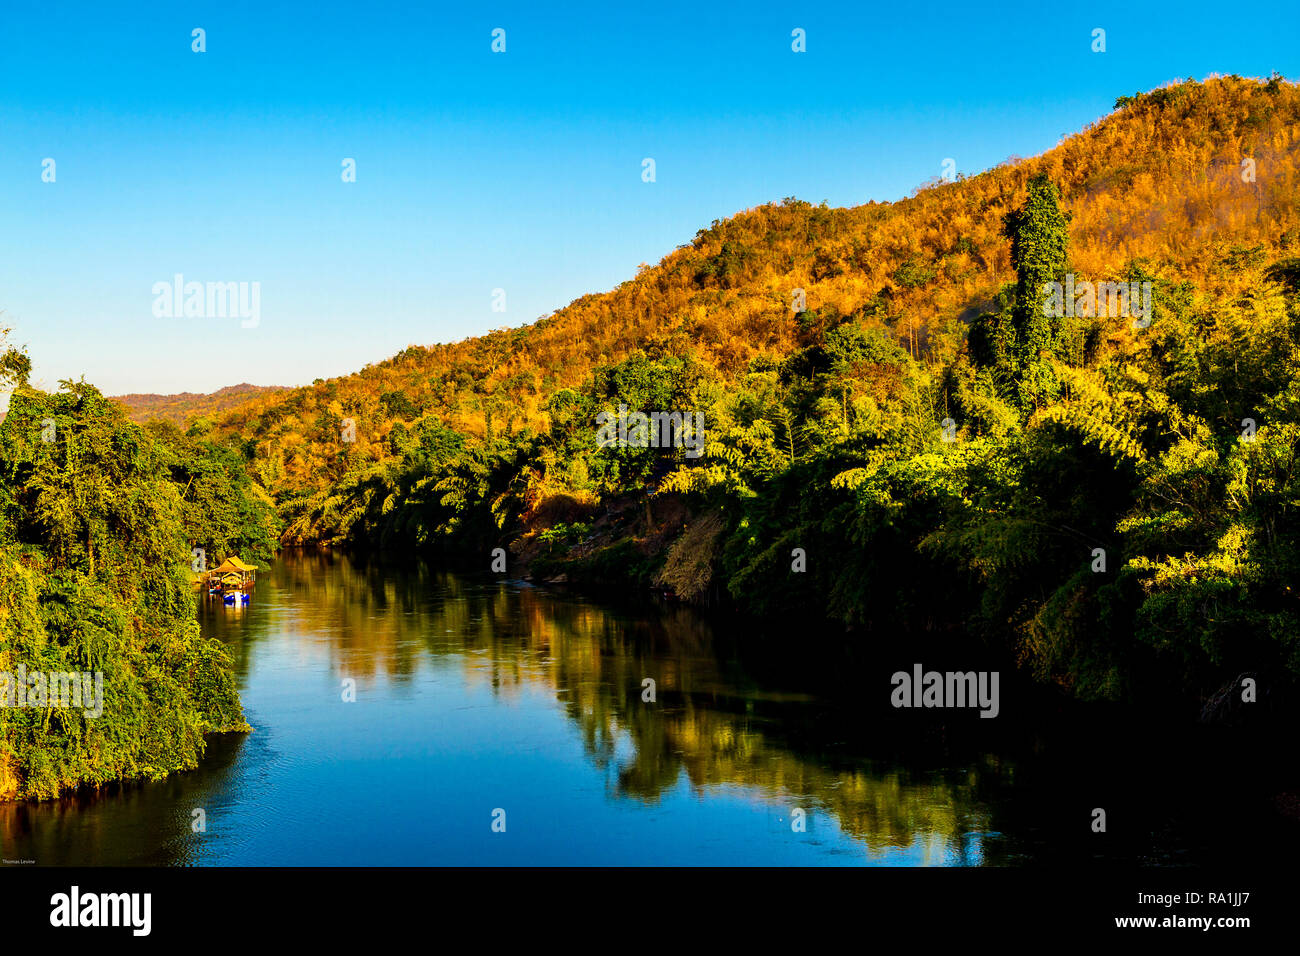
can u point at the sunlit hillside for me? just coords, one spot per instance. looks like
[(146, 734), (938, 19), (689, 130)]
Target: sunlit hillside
[(1161, 179)]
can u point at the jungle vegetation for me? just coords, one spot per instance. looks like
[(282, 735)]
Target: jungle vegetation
[(99, 520), (900, 441), (1116, 498)]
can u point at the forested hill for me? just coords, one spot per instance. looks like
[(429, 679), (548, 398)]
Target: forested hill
[(928, 448), (1159, 180)]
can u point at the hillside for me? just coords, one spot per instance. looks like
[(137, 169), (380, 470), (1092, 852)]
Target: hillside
[(1159, 181), (183, 406)]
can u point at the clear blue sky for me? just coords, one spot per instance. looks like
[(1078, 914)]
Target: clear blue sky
[(478, 171)]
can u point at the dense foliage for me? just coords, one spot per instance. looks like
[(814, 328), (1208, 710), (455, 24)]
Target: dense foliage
[(97, 523)]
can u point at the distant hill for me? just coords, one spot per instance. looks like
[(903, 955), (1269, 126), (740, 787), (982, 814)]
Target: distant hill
[(184, 406)]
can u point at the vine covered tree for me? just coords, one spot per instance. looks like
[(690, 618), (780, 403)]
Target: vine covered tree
[(1019, 339)]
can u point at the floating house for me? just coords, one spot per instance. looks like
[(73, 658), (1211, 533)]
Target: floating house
[(233, 575)]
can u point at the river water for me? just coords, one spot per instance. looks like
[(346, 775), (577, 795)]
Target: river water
[(499, 723)]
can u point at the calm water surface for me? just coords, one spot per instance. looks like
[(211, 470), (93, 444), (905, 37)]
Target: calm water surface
[(474, 695)]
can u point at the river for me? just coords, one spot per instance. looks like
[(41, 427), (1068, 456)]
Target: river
[(499, 723)]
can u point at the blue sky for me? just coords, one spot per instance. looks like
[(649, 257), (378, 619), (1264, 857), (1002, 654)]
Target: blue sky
[(478, 171)]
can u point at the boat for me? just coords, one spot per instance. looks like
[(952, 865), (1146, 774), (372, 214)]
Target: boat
[(232, 575)]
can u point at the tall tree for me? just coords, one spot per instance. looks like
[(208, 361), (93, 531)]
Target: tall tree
[(1040, 238)]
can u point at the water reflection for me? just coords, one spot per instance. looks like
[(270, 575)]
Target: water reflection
[(144, 825), (707, 725)]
